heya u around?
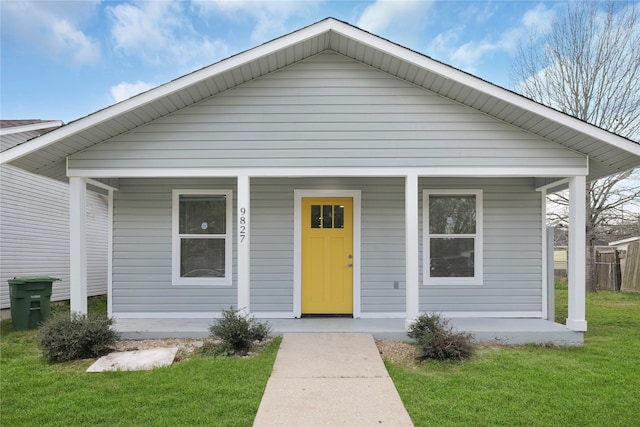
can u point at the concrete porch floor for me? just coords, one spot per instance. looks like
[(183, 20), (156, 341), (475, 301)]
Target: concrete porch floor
[(499, 330)]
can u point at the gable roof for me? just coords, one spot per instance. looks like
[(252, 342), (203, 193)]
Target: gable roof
[(608, 153), (18, 123), (15, 132)]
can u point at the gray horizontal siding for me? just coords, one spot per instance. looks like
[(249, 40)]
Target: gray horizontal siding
[(383, 246), (327, 110), (272, 241), (34, 233), (512, 247), (142, 246), (142, 251), (97, 243)]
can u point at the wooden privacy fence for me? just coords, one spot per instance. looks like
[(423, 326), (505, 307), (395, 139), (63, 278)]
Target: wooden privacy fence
[(631, 271), (612, 269), (607, 269)]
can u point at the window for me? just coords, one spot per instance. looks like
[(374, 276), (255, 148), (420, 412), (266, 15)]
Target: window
[(202, 237), (453, 237), (327, 216)]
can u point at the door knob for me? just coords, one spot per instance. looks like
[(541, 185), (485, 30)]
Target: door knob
[(350, 264)]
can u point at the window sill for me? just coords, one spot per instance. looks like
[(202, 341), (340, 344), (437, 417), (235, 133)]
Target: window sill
[(452, 282), (206, 282)]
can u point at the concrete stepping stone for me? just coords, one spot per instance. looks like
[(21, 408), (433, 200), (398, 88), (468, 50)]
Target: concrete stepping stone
[(138, 360)]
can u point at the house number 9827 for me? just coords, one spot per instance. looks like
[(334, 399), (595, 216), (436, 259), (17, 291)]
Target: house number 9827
[(242, 224)]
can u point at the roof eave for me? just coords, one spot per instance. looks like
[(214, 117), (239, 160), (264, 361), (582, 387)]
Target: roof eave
[(49, 124), (323, 27), (164, 90)]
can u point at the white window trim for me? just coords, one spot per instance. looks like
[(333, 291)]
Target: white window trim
[(175, 240), (478, 258)]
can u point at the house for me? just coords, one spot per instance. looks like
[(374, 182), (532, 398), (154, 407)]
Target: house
[(623, 245), (34, 222), (629, 268), (329, 172)]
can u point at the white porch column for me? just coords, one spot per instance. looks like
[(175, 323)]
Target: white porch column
[(78, 244), (411, 250), (110, 253), (577, 249), (244, 192)]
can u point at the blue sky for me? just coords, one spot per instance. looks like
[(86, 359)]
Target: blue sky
[(63, 60)]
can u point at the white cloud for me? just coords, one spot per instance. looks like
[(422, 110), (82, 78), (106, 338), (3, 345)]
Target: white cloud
[(468, 55), (270, 17), (160, 31), (403, 22), (69, 39), (382, 14), (125, 90), (53, 26), (539, 19)]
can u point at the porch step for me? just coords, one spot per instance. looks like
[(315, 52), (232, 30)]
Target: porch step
[(499, 330)]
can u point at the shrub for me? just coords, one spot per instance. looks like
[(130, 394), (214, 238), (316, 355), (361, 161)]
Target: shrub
[(436, 339), (237, 332), (213, 349), (67, 337)]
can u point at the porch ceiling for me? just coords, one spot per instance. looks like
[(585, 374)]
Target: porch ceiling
[(46, 155)]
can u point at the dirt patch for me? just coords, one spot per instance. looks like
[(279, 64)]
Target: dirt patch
[(399, 352), (402, 353), (186, 346)]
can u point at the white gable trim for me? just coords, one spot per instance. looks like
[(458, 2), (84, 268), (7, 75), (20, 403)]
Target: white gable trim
[(490, 89), (169, 88), (31, 127), (327, 26)]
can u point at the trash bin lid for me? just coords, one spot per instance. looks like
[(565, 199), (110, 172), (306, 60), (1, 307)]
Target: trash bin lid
[(32, 279)]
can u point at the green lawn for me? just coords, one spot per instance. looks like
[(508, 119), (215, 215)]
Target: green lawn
[(199, 391), (594, 385)]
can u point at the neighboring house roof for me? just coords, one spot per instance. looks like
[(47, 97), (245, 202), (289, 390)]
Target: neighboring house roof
[(15, 132), (608, 153), (625, 241), (15, 123)]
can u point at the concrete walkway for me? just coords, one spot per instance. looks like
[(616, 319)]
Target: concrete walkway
[(330, 380)]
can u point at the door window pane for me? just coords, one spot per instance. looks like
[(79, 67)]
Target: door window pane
[(202, 257), (202, 214), (338, 216), (452, 214), (327, 217), (315, 216), (452, 257)]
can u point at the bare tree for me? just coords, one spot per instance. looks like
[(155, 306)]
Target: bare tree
[(613, 208), (588, 65)]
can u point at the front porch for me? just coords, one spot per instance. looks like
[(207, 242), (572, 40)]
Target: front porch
[(502, 331)]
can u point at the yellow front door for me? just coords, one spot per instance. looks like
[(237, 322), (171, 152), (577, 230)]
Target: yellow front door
[(327, 255)]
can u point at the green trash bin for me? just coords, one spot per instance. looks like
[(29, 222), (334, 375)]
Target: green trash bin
[(30, 300)]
